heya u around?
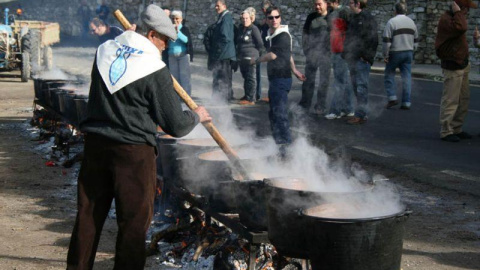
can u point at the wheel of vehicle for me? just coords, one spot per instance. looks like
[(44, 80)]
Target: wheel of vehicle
[(25, 67), (48, 57), (31, 44)]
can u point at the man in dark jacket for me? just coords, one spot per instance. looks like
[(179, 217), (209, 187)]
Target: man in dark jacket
[(316, 47), (131, 92), (222, 53), (452, 48), (104, 31), (359, 51)]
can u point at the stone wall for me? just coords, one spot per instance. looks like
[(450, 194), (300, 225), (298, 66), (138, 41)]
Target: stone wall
[(201, 13)]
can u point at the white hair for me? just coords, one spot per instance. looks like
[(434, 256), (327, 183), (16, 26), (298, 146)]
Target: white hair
[(177, 13)]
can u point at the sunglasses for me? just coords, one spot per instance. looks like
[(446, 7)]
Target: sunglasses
[(273, 17)]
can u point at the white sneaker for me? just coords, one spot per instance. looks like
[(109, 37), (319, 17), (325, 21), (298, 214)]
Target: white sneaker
[(331, 116), (351, 114)]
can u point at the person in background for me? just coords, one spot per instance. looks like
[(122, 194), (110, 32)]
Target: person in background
[(165, 52), (263, 27), (249, 46), (452, 48), (476, 37), (342, 99), (316, 47), (400, 39), (222, 53), (280, 66), (85, 13), (180, 53), (131, 92), (104, 31), (103, 11), (360, 47)]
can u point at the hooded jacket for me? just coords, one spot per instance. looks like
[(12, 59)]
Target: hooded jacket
[(451, 41), (280, 43)]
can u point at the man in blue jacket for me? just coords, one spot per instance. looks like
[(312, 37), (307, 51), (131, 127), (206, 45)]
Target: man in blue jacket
[(222, 53)]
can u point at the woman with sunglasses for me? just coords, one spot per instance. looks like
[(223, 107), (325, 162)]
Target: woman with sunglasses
[(280, 66)]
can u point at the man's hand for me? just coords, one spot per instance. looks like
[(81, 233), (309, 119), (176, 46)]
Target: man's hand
[(203, 114), (132, 28), (455, 7), (385, 59), (299, 75)]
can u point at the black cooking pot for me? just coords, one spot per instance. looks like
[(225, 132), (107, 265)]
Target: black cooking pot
[(40, 87), (286, 197), (373, 243), (81, 107), (70, 109), (217, 175), (251, 204)]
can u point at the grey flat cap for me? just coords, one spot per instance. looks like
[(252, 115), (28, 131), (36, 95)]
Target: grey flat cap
[(157, 19)]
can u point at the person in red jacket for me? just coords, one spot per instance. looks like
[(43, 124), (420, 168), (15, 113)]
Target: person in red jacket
[(452, 48), (342, 100)]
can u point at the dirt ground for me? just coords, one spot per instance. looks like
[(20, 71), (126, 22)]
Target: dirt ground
[(38, 203)]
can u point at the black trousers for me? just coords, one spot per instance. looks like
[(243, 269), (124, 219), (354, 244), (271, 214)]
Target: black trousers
[(222, 80), (126, 173)]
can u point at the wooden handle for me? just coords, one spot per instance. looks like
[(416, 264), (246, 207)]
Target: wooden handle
[(224, 145), (123, 21)]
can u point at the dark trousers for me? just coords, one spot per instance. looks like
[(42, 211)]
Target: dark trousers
[(308, 87), (249, 80), (126, 173), (222, 80), (278, 114), (258, 95)]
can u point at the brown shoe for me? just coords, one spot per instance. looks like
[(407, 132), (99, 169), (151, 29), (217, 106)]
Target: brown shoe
[(357, 121), (265, 99), (391, 103), (246, 102)]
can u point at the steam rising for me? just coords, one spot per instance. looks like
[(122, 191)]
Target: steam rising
[(335, 178)]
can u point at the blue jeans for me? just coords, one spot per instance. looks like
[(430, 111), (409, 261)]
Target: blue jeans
[(359, 73), (278, 114), (180, 69), (258, 94), (403, 61), (342, 99)]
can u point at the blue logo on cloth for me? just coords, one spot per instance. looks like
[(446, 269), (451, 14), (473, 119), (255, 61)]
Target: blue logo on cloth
[(119, 65)]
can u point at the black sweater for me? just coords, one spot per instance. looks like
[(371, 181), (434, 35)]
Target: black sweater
[(361, 38), (131, 115)]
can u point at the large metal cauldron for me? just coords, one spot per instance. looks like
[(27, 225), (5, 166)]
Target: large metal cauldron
[(218, 176), (286, 197), (336, 242), (81, 102), (251, 203)]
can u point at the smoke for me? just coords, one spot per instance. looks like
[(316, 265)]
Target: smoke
[(54, 74)]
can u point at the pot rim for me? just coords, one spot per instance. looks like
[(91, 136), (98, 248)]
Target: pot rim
[(403, 212), (270, 182)]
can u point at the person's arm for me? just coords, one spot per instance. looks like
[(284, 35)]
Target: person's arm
[(182, 37), (166, 109), (387, 41), (295, 71), (257, 39)]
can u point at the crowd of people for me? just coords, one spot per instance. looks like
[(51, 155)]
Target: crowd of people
[(345, 40)]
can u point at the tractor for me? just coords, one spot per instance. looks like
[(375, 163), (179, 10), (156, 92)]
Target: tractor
[(13, 55), (25, 45)]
